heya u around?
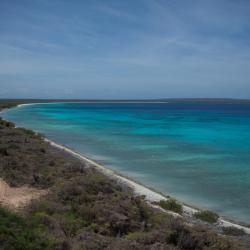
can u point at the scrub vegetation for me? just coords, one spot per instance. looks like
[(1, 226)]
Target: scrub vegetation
[(171, 205), (82, 208), (207, 216), (233, 231)]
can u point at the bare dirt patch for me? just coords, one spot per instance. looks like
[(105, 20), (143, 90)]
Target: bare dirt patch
[(15, 198)]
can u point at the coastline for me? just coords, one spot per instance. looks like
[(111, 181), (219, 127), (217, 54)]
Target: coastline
[(94, 102), (151, 196)]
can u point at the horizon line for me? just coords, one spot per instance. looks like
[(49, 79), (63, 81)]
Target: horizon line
[(127, 100)]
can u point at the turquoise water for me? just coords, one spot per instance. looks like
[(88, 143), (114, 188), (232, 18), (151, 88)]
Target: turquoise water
[(197, 152)]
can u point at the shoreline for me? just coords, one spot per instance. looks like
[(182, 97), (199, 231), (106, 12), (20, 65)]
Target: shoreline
[(94, 102), (151, 196)]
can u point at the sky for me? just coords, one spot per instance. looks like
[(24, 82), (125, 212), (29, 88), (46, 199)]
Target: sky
[(117, 49)]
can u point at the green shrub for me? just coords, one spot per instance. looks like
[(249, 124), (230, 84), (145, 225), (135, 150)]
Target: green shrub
[(158, 218), (15, 233), (136, 236), (233, 231), (171, 205), (43, 150), (7, 123), (87, 213), (4, 151), (25, 131), (207, 216), (69, 223)]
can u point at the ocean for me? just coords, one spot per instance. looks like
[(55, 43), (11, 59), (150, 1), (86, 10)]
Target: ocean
[(197, 152)]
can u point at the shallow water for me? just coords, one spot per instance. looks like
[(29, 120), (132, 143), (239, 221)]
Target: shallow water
[(197, 152)]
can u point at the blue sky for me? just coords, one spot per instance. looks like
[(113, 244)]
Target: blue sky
[(124, 49)]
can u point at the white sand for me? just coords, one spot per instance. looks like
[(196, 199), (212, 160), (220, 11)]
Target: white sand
[(150, 195), (89, 102)]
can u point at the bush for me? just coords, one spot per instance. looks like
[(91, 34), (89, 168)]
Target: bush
[(7, 123), (26, 131), (15, 233), (171, 205), (195, 237), (234, 231), (136, 235), (207, 216), (4, 151)]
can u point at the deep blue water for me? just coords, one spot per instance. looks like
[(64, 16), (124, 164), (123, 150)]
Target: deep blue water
[(197, 152)]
